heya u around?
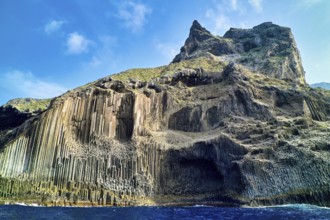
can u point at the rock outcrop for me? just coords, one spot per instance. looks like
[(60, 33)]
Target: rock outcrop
[(203, 129), (15, 112), (267, 48)]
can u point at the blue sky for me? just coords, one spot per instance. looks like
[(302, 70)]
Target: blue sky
[(50, 46)]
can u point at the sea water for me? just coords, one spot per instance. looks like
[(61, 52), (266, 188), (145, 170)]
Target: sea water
[(300, 211)]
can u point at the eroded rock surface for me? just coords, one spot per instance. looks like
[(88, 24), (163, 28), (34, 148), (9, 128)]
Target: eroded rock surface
[(203, 129), (267, 48)]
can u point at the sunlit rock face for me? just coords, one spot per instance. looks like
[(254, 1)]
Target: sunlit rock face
[(230, 121), (267, 48)]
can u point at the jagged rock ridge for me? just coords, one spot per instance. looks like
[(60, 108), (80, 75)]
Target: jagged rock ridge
[(267, 48), (199, 130)]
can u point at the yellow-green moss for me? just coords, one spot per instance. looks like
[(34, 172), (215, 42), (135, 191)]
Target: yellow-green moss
[(147, 74), (143, 74), (29, 105), (209, 64)]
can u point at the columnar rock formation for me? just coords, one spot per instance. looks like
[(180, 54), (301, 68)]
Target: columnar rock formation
[(201, 130)]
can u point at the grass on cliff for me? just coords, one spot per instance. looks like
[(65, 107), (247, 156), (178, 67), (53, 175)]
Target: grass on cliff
[(29, 105), (142, 74), (324, 92), (211, 64), (147, 74)]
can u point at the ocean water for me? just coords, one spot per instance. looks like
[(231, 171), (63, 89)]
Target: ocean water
[(196, 212)]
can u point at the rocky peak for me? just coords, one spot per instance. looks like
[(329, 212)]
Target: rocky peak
[(266, 48), (197, 36), (267, 24), (197, 25), (198, 32)]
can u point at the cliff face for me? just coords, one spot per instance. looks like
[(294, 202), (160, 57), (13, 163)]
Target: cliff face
[(200, 130)]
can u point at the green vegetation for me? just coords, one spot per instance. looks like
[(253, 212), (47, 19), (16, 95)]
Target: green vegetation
[(147, 74), (277, 59), (143, 74), (29, 105), (209, 64), (322, 91)]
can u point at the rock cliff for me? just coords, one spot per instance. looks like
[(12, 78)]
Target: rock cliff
[(230, 121), (15, 112), (267, 48)]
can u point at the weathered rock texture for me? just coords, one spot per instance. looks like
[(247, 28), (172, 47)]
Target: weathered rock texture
[(16, 111), (200, 130), (267, 48)]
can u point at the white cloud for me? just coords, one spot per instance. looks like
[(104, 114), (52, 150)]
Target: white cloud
[(77, 43), (229, 6), (134, 15), (243, 25), (103, 58), (220, 21), (234, 5), (168, 50), (309, 3), (25, 84), (53, 26), (257, 5)]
